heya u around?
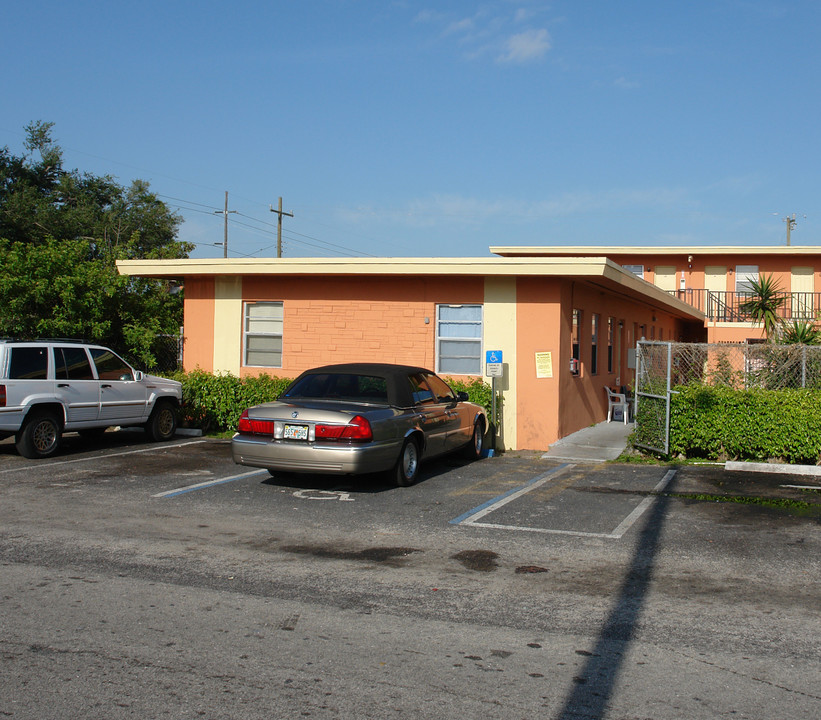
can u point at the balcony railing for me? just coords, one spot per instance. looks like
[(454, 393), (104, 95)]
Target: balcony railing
[(726, 306)]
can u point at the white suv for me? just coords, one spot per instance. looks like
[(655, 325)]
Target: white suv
[(49, 386)]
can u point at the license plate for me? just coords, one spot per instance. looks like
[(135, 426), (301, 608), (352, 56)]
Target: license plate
[(295, 432)]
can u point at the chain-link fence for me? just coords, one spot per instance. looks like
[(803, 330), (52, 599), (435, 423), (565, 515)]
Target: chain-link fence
[(167, 351), (745, 366), (661, 366)]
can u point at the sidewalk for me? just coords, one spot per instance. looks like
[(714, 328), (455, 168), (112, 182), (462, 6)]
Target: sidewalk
[(597, 443)]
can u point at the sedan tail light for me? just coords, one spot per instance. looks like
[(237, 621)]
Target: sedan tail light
[(357, 430), (255, 427), (2, 396)]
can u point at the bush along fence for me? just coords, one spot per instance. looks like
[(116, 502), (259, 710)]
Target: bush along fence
[(735, 401), (214, 403)]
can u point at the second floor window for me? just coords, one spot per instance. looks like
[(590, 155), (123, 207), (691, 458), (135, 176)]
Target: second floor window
[(745, 276)]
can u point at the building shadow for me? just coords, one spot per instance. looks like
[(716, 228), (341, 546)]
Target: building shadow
[(596, 681)]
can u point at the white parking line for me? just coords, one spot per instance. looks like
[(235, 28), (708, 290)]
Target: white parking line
[(206, 484), (41, 465), (472, 516)]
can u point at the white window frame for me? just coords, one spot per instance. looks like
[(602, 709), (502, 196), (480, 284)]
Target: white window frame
[(637, 270), (742, 273), (246, 334), (477, 370)]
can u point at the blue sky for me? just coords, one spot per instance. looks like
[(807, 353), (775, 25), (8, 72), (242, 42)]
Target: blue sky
[(436, 128)]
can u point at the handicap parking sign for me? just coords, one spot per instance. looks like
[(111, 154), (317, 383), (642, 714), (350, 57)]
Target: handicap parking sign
[(493, 363)]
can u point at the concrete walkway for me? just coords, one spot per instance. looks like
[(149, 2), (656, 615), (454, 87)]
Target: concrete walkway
[(597, 443)]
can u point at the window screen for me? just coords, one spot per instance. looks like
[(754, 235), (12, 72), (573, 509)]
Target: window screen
[(263, 334), (459, 339)]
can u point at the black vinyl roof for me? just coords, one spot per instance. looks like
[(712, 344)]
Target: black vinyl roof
[(396, 377)]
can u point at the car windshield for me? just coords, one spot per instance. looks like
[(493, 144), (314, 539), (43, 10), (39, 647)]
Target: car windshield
[(340, 386)]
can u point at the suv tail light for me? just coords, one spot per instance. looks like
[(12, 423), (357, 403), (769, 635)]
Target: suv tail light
[(2, 396), (357, 430), (255, 427)]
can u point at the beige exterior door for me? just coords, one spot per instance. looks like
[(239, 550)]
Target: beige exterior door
[(715, 282), (802, 286), (715, 278), (666, 277)]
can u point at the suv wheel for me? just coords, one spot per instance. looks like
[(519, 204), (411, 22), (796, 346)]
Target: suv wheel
[(162, 424), (40, 436)]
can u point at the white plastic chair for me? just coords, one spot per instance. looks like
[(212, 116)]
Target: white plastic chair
[(617, 400)]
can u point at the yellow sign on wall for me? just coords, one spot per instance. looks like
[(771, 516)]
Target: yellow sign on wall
[(544, 364)]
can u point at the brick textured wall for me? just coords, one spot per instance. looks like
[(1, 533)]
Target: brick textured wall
[(363, 319)]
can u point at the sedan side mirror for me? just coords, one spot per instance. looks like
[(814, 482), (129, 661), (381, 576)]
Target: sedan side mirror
[(462, 396)]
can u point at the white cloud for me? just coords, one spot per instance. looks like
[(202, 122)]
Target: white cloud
[(458, 210), (525, 47), (624, 84)]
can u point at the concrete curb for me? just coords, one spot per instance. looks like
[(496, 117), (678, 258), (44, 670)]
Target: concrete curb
[(775, 468)]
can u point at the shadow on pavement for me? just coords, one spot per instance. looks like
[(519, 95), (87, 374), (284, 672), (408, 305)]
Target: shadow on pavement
[(597, 678)]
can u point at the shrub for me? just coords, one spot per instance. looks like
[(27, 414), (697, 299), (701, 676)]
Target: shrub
[(723, 423), (478, 391), (215, 402)]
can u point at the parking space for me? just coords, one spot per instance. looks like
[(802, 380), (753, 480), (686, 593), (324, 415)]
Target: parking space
[(517, 494)]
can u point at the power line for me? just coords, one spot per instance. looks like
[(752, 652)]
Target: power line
[(324, 245)]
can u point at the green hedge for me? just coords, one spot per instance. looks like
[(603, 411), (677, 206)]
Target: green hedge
[(722, 423), (215, 402)]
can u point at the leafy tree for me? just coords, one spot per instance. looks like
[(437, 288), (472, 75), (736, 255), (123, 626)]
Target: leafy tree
[(763, 305), (61, 232), (39, 199)]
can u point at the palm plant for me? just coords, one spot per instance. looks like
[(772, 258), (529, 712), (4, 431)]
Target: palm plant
[(801, 332), (763, 304)]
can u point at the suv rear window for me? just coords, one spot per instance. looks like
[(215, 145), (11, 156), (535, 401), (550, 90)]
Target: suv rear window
[(28, 363)]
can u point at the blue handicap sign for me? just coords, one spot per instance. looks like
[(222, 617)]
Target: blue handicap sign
[(493, 356)]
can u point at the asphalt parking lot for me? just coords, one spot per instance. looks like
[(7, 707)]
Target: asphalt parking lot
[(623, 576), (521, 495)]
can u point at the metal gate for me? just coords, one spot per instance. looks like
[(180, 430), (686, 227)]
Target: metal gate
[(653, 390)]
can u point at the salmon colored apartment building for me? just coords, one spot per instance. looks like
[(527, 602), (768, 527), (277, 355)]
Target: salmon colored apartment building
[(564, 319)]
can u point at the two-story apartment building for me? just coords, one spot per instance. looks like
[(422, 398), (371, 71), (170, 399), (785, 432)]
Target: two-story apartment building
[(716, 280), (565, 318)]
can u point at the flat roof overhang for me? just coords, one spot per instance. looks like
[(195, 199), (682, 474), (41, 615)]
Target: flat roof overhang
[(596, 271), (583, 251)]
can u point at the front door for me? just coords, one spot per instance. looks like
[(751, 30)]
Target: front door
[(433, 415)]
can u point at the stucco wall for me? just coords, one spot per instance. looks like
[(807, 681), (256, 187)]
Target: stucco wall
[(335, 319), (198, 328)]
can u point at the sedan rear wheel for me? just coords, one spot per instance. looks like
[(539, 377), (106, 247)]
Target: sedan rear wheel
[(473, 450), (407, 467)]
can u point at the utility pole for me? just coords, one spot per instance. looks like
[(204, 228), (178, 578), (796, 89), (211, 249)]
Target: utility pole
[(790, 226), (225, 237), (280, 213)]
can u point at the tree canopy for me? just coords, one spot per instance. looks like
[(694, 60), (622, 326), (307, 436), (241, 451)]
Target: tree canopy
[(61, 232)]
